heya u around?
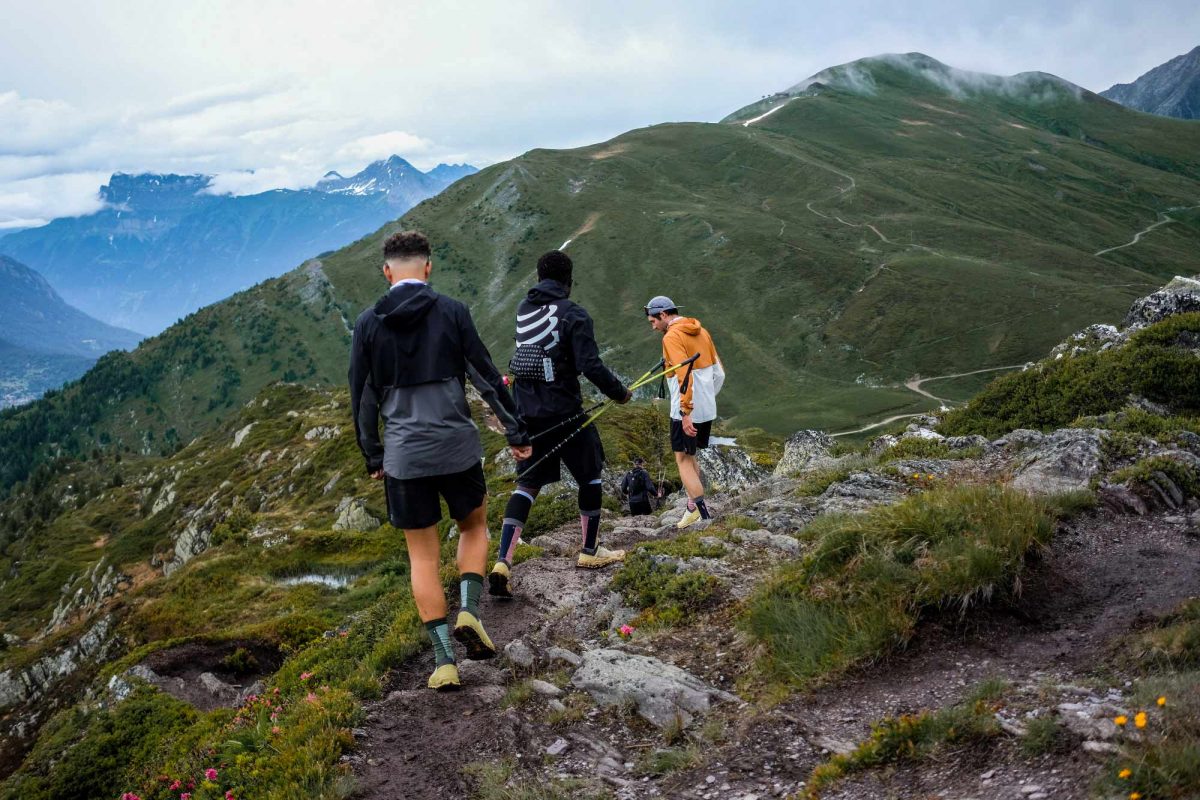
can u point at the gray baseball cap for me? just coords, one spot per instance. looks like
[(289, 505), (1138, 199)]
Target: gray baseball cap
[(660, 304)]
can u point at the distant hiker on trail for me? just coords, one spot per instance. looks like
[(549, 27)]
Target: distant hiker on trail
[(639, 488), (693, 394), (409, 359), (555, 345)]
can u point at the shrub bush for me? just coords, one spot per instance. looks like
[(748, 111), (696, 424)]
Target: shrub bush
[(1153, 365)]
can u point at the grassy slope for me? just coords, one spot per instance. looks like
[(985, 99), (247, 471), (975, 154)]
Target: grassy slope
[(992, 209), (267, 504)]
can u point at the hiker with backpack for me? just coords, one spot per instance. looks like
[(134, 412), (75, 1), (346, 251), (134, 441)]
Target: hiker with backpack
[(555, 344), (693, 394), (410, 357), (639, 488)]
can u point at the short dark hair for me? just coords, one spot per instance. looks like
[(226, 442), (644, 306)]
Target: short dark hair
[(556, 266), (406, 244)]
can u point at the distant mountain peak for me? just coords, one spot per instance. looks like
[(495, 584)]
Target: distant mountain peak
[(396, 178), (151, 188), (1170, 90), (866, 75)]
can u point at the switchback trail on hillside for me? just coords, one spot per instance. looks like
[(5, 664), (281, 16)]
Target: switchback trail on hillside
[(914, 384), (1163, 219)]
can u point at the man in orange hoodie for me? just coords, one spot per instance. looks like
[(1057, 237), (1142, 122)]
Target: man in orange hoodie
[(694, 391)]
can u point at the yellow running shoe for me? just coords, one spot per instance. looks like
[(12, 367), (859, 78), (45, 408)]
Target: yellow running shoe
[(601, 558), (445, 678), (498, 581), (689, 517), (469, 630)]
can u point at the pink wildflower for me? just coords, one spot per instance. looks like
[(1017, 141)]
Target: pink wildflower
[(305, 676), (276, 690), (174, 787), (276, 730), (229, 795), (130, 796), (185, 796), (625, 630), (210, 774), (312, 698)]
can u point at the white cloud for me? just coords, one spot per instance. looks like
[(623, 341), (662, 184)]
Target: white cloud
[(276, 92), (31, 202), (382, 145)]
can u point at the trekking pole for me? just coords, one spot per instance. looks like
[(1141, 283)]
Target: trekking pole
[(587, 411), (605, 406)]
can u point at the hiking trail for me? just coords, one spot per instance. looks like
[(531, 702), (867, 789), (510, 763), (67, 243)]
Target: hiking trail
[(1091, 586), (1163, 219)]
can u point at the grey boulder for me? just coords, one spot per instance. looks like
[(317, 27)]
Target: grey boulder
[(661, 693)]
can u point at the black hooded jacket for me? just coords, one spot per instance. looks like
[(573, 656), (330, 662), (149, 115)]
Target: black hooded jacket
[(409, 360), (564, 329)]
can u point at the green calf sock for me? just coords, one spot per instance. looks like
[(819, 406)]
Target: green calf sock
[(470, 589), (439, 634)]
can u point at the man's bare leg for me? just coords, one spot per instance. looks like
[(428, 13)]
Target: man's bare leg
[(424, 560), (472, 559), (689, 473)]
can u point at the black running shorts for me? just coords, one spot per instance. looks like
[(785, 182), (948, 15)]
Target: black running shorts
[(581, 451), (415, 503), (682, 443)]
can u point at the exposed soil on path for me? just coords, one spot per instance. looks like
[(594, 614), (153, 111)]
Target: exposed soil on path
[(418, 741)]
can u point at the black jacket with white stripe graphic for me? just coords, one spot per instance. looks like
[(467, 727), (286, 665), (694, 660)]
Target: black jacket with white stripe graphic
[(564, 330)]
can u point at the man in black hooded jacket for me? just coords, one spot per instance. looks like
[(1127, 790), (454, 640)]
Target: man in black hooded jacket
[(555, 344), (409, 361)]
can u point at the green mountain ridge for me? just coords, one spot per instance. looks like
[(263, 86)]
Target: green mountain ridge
[(835, 247)]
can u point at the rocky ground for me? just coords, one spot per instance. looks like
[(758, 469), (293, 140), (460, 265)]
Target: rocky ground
[(574, 705)]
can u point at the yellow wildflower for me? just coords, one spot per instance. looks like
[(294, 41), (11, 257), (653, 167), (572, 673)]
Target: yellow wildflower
[(1139, 719), (1120, 721), (1162, 701), (916, 476), (1135, 796), (1125, 773)]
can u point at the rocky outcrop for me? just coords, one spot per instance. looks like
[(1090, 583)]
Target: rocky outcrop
[(781, 514), (803, 451), (322, 433), (353, 516), (34, 682), (97, 584), (241, 435), (661, 693), (726, 467), (859, 492), (1065, 461), (193, 541), (1180, 296), (1092, 339)]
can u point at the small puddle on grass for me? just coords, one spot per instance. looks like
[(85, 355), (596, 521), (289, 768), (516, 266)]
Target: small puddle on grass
[(334, 580)]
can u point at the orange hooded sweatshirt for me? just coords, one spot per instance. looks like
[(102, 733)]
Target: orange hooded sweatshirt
[(693, 389)]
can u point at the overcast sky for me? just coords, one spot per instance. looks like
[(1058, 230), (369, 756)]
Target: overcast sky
[(292, 89)]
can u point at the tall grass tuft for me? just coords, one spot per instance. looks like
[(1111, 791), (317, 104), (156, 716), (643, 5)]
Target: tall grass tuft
[(859, 591)]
